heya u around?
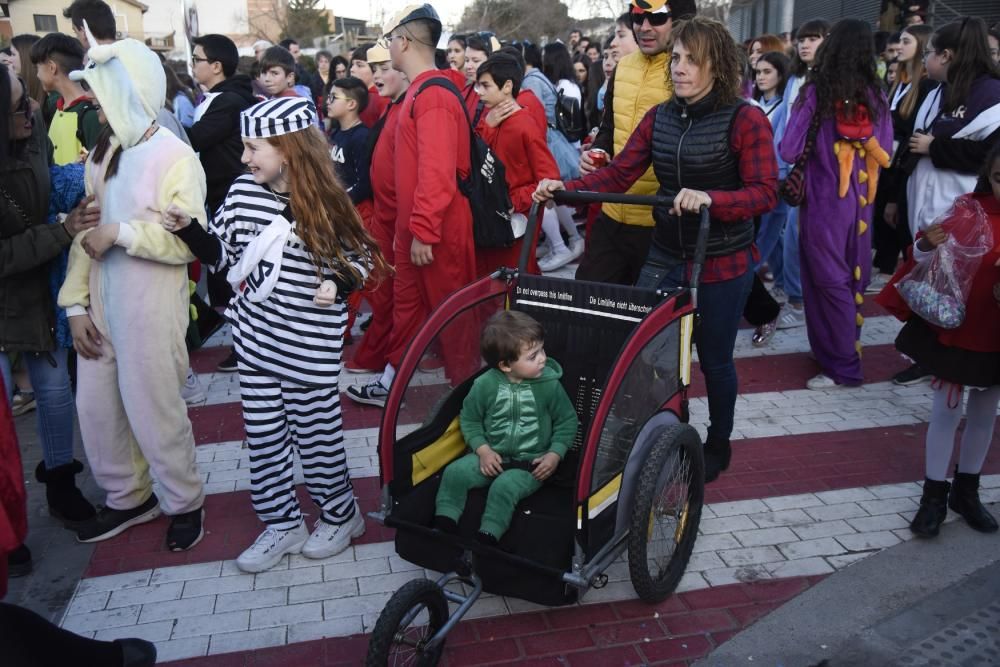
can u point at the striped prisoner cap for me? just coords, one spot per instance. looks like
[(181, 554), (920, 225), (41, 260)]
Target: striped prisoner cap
[(281, 115)]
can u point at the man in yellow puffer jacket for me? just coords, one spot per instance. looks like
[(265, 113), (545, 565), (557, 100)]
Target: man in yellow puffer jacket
[(620, 237)]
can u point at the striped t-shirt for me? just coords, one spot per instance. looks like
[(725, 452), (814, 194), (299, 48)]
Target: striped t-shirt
[(286, 335)]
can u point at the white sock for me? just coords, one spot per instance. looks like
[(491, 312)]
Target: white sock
[(388, 375), (565, 214), (550, 225)]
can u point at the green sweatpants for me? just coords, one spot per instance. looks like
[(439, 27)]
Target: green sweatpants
[(506, 490)]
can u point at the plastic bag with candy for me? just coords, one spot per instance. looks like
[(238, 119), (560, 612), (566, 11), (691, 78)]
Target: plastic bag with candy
[(937, 288)]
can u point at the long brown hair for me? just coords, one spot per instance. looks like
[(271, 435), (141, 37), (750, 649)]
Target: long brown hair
[(325, 218), (914, 71), (768, 43), (968, 41), (711, 45)]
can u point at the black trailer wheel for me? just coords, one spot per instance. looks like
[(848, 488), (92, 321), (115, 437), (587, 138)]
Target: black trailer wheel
[(412, 616), (666, 513)]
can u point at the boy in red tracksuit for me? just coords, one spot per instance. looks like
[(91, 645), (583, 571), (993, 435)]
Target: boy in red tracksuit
[(372, 353), (363, 69), (520, 144), (434, 250)]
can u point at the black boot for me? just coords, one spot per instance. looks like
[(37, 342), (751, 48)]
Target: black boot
[(933, 509), (717, 456), (19, 562), (964, 499), (66, 503)]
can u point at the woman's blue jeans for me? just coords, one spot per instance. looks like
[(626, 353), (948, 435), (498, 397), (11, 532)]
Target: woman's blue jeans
[(720, 307), (50, 382)]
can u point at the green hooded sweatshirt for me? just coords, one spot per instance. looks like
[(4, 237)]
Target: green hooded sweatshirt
[(519, 421)]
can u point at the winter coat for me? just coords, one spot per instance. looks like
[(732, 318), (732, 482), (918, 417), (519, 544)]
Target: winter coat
[(27, 247)]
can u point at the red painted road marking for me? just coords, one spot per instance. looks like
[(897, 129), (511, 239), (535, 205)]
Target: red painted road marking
[(684, 627)]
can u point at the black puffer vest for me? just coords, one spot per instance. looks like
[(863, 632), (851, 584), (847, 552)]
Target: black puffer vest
[(691, 149)]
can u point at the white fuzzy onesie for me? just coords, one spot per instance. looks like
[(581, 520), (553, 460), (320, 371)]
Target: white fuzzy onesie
[(132, 416)]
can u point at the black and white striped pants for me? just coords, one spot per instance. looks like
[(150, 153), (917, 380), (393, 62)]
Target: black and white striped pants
[(280, 415)]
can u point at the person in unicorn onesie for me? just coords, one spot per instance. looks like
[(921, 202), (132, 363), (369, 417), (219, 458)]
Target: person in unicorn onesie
[(126, 295)]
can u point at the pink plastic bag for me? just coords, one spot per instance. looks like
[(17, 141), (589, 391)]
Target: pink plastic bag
[(937, 288)]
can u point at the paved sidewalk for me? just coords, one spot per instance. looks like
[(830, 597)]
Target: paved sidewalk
[(821, 485)]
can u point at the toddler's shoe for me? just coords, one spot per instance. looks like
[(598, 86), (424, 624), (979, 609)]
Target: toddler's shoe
[(446, 525), (485, 538), (329, 540), (110, 522), (270, 546)]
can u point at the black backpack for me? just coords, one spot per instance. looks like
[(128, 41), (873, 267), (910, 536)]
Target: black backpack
[(569, 117), (486, 187)]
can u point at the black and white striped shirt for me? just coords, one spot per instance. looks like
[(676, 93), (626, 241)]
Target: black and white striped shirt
[(286, 335)]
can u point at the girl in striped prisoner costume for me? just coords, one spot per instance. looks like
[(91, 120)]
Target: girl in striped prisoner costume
[(294, 248)]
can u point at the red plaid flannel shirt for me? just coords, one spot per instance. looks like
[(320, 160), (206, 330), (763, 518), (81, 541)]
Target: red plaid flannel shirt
[(752, 140)]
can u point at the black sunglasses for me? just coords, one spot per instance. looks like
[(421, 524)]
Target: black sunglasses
[(655, 20)]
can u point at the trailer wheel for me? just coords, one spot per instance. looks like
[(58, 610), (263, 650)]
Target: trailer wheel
[(666, 513), (412, 616)]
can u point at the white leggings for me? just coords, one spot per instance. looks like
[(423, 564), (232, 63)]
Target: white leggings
[(551, 221), (946, 413)]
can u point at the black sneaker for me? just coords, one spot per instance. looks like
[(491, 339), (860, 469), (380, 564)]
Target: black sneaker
[(109, 522), (912, 375), (372, 393), (228, 365), (185, 530), (19, 562)]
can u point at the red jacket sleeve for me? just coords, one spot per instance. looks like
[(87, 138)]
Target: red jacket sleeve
[(541, 163), (439, 134)]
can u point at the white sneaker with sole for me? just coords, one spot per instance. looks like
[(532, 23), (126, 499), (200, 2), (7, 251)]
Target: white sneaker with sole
[(791, 317), (821, 382), (556, 260), (191, 392), (329, 540), (270, 546)]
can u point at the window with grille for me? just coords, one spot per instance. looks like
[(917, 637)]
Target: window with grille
[(46, 23)]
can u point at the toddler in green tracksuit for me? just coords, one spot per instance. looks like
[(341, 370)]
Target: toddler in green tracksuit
[(517, 420)]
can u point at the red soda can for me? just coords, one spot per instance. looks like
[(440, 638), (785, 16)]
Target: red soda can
[(599, 157)]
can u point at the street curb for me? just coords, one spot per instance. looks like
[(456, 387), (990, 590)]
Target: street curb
[(845, 618)]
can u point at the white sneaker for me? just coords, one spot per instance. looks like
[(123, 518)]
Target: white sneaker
[(270, 546), (791, 317), (542, 249), (329, 540), (191, 392), (821, 382), (556, 260)]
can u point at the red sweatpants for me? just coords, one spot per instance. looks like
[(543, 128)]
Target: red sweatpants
[(421, 289), (373, 351)]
